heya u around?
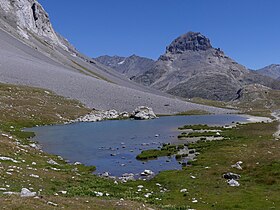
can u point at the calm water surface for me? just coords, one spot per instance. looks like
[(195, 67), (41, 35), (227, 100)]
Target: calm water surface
[(95, 143)]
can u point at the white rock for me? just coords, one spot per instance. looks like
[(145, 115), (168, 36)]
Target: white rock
[(8, 159), (237, 165), (143, 113), (51, 203), (52, 162), (233, 183), (194, 200), (27, 193), (63, 192), (35, 176), (183, 190), (10, 193), (147, 173), (148, 195)]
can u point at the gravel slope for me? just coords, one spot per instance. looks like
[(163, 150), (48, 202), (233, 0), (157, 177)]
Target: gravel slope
[(20, 64)]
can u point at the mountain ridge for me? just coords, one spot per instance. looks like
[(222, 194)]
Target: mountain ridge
[(130, 66), (272, 71)]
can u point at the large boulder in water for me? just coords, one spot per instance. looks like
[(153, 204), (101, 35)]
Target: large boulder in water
[(143, 113)]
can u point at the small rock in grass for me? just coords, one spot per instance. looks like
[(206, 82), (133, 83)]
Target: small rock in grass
[(194, 200), (34, 175), (27, 193), (183, 190), (10, 193), (233, 183), (148, 195), (230, 175), (237, 165), (63, 192), (8, 159), (52, 162), (52, 204)]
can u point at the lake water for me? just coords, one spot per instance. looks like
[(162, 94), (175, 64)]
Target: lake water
[(112, 146)]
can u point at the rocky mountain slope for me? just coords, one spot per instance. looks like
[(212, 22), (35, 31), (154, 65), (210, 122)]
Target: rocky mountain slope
[(272, 71), (257, 100), (192, 67), (33, 54), (131, 66)]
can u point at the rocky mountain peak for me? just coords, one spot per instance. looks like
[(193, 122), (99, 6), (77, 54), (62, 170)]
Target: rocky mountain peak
[(193, 41)]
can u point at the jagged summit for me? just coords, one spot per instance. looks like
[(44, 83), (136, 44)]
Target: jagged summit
[(193, 41)]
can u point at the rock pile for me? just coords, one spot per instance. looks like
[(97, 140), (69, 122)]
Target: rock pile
[(140, 113), (143, 113)]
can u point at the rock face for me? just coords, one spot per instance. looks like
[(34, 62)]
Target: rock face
[(29, 17), (189, 41), (131, 66), (272, 71)]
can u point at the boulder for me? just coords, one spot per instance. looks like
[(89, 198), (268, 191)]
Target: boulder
[(27, 193), (124, 115), (52, 162), (233, 183), (143, 113), (147, 173), (127, 177)]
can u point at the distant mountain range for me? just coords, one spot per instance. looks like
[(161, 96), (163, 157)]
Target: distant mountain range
[(131, 66), (191, 67)]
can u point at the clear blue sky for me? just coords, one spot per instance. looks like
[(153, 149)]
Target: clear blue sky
[(247, 30)]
